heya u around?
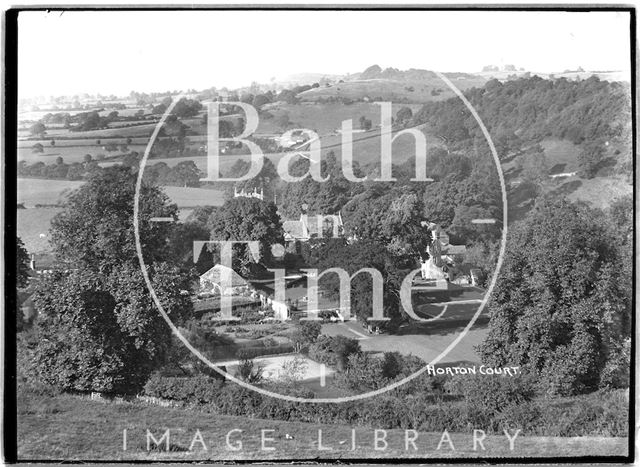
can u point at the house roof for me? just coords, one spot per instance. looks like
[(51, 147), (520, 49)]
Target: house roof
[(296, 228), (293, 229), (312, 225), (454, 249), (218, 272)]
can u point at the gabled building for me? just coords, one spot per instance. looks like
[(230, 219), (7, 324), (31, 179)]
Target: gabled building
[(223, 280), (314, 226)]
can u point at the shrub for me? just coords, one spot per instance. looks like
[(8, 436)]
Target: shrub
[(491, 392), (306, 333), (196, 389), (525, 417), (249, 371), (334, 350), (391, 365), (603, 413), (437, 418), (269, 342), (362, 373)]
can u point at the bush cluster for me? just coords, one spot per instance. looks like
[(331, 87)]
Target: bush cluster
[(196, 389), (603, 413), (333, 350)]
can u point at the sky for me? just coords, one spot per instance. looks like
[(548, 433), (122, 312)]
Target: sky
[(115, 52)]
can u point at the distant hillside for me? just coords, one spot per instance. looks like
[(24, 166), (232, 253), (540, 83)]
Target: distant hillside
[(543, 128), (504, 75), (391, 84), (530, 109), (308, 78)]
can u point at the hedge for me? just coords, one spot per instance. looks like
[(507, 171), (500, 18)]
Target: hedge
[(196, 389), (252, 352), (604, 413)]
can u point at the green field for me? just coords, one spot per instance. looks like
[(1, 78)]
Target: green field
[(323, 118), (33, 223), (32, 191), (38, 114), (71, 154), (66, 427), (367, 146), (134, 131), (32, 227), (366, 149), (192, 197)]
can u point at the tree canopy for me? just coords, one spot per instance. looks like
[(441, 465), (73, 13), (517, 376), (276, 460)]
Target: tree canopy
[(98, 328), (560, 307), (247, 219), (22, 264), (95, 230)]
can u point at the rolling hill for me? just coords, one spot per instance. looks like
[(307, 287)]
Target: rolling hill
[(391, 84)]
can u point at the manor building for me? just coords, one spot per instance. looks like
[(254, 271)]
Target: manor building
[(311, 226), (249, 194)]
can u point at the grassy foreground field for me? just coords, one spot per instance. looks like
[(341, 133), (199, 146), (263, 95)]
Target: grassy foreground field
[(71, 428)]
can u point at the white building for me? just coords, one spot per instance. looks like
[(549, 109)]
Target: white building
[(249, 194)]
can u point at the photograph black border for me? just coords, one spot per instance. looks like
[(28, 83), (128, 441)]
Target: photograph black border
[(9, 169)]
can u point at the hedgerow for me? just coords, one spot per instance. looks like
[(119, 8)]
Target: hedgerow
[(603, 413)]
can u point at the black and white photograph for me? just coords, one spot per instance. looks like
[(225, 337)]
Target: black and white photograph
[(319, 233)]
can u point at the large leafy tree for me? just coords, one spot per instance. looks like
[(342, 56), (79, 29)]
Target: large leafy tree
[(98, 327), (96, 229), (98, 333), (247, 219), (560, 308), (185, 173), (351, 257), (402, 225), (365, 215), (326, 197)]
